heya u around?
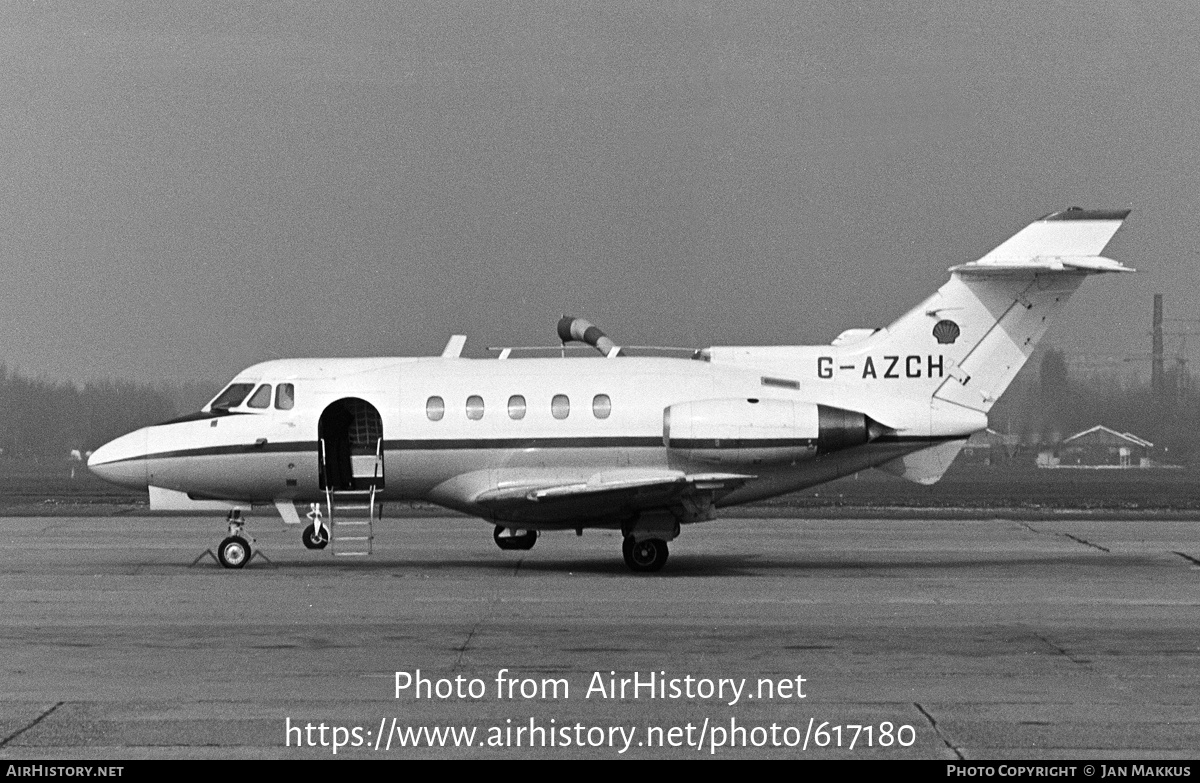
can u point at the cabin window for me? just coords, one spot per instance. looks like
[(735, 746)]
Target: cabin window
[(560, 406), (261, 398), (435, 408), (601, 406), (516, 407), (285, 396), (474, 407), (232, 397)]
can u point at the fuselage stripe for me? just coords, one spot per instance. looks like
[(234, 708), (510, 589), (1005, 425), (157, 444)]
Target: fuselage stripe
[(743, 443), (459, 444)]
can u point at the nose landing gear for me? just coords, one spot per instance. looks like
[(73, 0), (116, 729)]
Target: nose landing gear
[(313, 538), (235, 551), (316, 535)]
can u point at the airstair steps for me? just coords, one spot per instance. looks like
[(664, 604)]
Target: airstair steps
[(352, 512), (351, 522)]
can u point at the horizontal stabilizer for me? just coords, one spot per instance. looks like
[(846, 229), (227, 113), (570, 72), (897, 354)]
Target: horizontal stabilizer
[(1071, 239), (926, 466), (1092, 263), (1086, 264)]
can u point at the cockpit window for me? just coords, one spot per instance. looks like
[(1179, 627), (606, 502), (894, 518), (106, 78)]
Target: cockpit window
[(261, 398), (285, 396), (232, 397)]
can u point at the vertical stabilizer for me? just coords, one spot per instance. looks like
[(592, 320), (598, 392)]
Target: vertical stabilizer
[(964, 344)]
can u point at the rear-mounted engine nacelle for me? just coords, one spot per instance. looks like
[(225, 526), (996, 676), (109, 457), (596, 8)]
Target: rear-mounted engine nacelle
[(753, 430)]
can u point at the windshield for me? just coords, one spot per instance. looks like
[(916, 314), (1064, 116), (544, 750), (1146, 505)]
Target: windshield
[(262, 397), (231, 397)]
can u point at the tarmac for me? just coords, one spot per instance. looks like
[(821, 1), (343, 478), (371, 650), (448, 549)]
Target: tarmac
[(764, 638)]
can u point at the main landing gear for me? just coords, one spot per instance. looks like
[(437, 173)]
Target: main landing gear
[(646, 537), (235, 551), (511, 538), (649, 554)]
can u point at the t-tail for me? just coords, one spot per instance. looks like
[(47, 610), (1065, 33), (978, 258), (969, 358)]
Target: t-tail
[(965, 343)]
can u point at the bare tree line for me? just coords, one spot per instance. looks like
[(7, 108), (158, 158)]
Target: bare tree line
[(47, 420), (1048, 403)]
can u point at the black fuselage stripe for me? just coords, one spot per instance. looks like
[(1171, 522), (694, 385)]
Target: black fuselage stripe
[(309, 447), (743, 443), (437, 444), (304, 448)]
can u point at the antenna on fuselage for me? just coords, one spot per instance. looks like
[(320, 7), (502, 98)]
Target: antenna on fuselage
[(578, 329), (454, 346)]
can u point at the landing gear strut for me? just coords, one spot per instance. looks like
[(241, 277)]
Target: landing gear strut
[(316, 535), (508, 538), (235, 551), (649, 554)]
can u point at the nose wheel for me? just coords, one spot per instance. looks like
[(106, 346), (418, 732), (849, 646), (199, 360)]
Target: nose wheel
[(315, 539), (235, 551), (316, 535)]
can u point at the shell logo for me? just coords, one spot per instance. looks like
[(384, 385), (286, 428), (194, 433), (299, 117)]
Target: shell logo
[(945, 331)]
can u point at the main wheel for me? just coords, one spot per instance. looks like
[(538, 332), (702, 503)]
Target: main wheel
[(309, 537), (523, 541), (234, 552), (649, 554)]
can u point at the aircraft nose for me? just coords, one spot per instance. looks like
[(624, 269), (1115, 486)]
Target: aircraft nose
[(122, 461)]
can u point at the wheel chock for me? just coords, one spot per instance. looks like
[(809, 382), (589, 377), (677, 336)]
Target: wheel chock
[(253, 554)]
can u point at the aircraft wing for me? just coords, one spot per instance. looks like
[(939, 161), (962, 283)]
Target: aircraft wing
[(612, 494)]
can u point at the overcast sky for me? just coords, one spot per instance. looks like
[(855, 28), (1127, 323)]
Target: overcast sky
[(188, 188)]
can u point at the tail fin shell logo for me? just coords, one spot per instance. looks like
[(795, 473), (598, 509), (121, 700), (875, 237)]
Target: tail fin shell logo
[(946, 332)]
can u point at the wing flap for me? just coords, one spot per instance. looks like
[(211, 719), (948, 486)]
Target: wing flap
[(606, 494)]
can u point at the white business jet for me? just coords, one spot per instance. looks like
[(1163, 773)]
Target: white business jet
[(640, 444)]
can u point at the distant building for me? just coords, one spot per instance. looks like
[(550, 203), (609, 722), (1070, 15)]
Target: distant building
[(989, 447), (1099, 447)]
